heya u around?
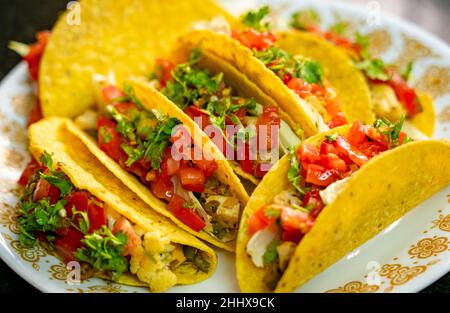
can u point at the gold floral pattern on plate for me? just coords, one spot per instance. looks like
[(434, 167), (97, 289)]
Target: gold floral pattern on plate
[(59, 272), (442, 222), (355, 287), (8, 217), (107, 288), (32, 255), (429, 247), (400, 275)]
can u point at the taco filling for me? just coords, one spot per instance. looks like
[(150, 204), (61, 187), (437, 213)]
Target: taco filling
[(392, 95), (302, 75), (78, 226), (229, 120), (159, 151), (317, 174)]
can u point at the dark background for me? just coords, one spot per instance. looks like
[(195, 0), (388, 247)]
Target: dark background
[(21, 19)]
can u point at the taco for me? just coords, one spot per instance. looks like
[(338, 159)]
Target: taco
[(78, 209), (296, 83), (246, 124), (94, 37), (332, 194), (391, 91), (164, 157)]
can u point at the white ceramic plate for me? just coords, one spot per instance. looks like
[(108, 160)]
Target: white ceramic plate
[(408, 256)]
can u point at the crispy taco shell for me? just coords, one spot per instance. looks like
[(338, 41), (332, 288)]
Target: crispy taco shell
[(97, 37), (382, 191), (87, 173), (154, 100)]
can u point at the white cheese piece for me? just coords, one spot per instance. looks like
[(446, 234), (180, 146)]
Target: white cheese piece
[(257, 245), (331, 192)]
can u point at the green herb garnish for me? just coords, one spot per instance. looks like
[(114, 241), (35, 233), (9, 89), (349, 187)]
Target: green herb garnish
[(253, 19), (103, 250)]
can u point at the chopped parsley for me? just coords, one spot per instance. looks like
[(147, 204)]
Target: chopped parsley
[(253, 19), (408, 71), (374, 69), (194, 255), (339, 28), (190, 84), (271, 254), (331, 137), (281, 63), (294, 173), (144, 141), (392, 131), (40, 216), (54, 177), (103, 250), (304, 19), (106, 136)]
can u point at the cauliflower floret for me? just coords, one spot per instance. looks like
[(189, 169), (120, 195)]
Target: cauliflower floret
[(146, 262)]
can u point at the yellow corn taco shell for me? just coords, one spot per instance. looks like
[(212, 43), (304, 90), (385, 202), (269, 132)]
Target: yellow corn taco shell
[(154, 100), (120, 36), (87, 173), (349, 83), (241, 58), (382, 191)]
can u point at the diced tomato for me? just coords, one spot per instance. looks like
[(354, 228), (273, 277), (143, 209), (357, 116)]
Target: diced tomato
[(405, 94), (33, 58), (35, 113), (332, 161), (44, 190), (312, 198), (357, 134), (30, 170), (197, 115), (259, 172), (344, 147), (292, 235), (246, 164), (269, 117), (112, 146), (292, 219), (337, 120), (300, 87), (172, 166), (133, 240), (401, 137), (207, 166), (254, 39), (162, 189), (186, 215), (124, 107), (192, 179), (97, 217), (286, 78), (66, 245), (319, 175), (137, 169), (308, 153), (259, 220), (111, 93), (77, 199), (163, 72), (371, 149), (327, 147)]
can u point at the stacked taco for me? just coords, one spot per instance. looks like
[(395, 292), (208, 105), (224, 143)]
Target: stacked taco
[(77, 208), (333, 193)]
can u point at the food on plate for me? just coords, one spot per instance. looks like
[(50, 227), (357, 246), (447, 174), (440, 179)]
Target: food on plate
[(391, 89), (78, 209), (330, 195)]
